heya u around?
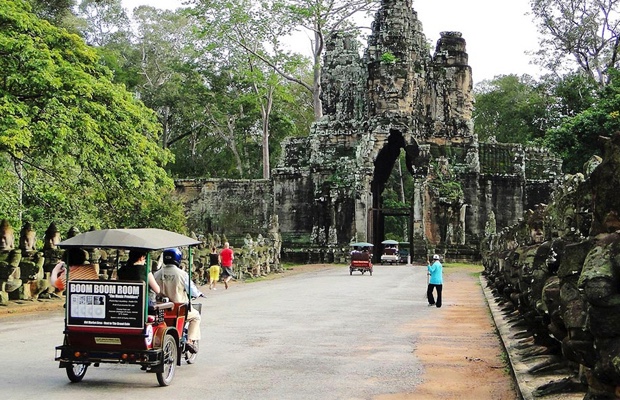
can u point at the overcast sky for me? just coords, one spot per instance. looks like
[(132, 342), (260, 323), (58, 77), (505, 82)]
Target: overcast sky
[(497, 32)]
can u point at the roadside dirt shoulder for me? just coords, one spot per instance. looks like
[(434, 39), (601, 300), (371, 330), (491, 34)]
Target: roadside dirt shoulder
[(459, 347)]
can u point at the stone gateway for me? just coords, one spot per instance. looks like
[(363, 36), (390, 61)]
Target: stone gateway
[(397, 97)]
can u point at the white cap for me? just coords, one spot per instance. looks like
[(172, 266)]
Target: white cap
[(436, 257)]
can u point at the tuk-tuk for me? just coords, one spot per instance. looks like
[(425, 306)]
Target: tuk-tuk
[(390, 252), (110, 321), (403, 253), (361, 258)]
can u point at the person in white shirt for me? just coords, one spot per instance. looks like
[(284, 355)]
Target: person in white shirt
[(176, 285)]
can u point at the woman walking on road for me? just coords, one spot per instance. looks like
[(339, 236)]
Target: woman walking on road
[(435, 273), (214, 268)]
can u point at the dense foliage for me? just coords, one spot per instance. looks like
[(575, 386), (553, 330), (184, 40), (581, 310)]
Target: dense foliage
[(76, 148), (579, 137), (550, 112)]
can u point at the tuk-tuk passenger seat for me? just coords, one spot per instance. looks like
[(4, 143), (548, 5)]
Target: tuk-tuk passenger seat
[(360, 256)]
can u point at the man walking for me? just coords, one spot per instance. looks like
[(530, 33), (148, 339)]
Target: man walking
[(226, 261), (435, 282)]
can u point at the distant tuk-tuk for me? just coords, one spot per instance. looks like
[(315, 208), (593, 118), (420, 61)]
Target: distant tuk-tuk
[(110, 321), (390, 252), (361, 258), (403, 253)]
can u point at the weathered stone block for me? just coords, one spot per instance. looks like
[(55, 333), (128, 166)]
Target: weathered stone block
[(573, 258), (604, 322)]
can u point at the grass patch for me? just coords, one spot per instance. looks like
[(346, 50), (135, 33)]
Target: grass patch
[(473, 269)]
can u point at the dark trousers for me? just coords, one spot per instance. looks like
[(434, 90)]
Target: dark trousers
[(429, 294)]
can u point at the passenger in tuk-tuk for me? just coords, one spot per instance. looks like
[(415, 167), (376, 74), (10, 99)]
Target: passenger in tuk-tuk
[(176, 285), (135, 270), (79, 269)]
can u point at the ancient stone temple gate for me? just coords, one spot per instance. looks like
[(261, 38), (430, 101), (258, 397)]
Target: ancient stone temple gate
[(327, 189)]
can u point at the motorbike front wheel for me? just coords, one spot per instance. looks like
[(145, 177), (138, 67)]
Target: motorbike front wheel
[(189, 356)]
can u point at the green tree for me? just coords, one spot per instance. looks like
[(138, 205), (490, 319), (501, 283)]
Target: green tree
[(581, 33), (57, 12), (83, 149), (208, 91), (106, 22), (577, 138), (512, 109), (260, 28)]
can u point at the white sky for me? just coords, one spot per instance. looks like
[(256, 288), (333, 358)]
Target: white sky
[(497, 32)]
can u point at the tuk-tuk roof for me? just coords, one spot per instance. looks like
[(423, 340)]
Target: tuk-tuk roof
[(361, 244), (139, 238)]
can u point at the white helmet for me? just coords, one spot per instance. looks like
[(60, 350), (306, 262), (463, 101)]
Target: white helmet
[(436, 257)]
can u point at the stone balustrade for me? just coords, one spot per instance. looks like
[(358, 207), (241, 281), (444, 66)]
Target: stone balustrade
[(558, 271)]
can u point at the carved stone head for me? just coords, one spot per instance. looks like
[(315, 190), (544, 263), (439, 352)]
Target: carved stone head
[(7, 236), (27, 238), (52, 237)]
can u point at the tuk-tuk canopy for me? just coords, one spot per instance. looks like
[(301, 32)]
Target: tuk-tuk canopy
[(361, 244), (139, 238)]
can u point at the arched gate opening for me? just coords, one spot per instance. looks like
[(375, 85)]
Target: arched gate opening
[(384, 206)]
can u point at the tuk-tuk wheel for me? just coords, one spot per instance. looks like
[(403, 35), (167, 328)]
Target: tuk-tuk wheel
[(350, 272), (170, 361), (75, 372), (370, 272)]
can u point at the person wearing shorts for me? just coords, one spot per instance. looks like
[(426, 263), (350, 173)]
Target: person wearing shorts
[(226, 261), (214, 268)]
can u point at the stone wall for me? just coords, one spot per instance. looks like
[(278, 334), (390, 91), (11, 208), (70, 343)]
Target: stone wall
[(231, 207), (558, 271)]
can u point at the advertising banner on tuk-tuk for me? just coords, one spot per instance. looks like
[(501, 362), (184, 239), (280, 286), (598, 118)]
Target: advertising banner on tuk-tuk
[(105, 304)]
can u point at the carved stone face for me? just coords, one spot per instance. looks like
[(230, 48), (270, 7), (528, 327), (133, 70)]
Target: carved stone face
[(27, 239), (7, 236), (537, 235), (52, 237)]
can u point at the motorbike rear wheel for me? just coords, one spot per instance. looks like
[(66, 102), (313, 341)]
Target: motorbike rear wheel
[(76, 372)]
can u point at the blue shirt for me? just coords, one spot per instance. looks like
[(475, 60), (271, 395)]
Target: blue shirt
[(436, 271)]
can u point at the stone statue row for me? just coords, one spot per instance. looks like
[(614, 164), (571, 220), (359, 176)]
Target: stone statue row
[(558, 272), (25, 272)]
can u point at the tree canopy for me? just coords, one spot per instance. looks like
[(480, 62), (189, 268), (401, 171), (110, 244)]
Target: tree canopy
[(81, 149), (578, 137), (578, 33)]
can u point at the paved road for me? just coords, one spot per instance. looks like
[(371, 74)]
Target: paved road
[(317, 335)]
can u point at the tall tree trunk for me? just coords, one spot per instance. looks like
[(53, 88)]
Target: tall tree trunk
[(316, 84), (266, 112), (402, 195)]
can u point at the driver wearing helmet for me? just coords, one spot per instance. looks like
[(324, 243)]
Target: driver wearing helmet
[(175, 284)]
